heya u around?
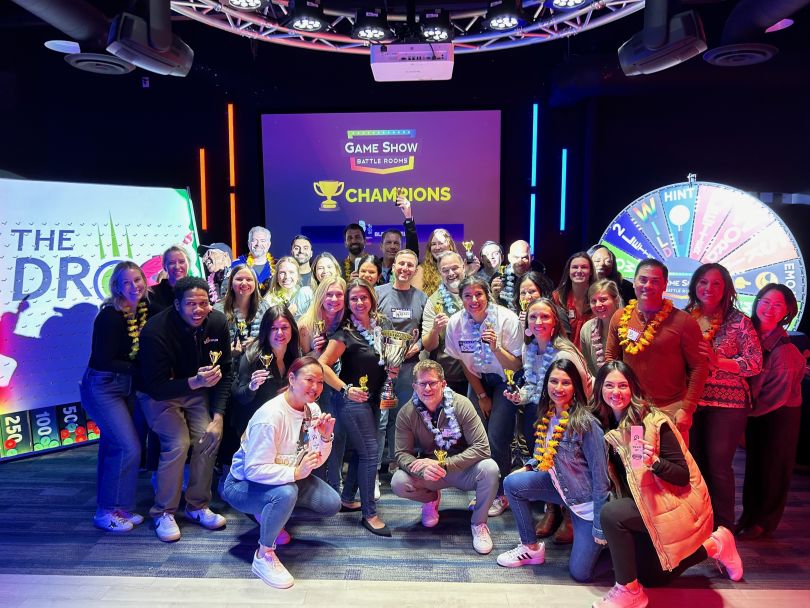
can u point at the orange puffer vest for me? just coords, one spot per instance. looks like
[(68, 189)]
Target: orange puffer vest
[(678, 518)]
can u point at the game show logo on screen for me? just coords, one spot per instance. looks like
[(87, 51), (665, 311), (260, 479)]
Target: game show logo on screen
[(688, 224), (350, 168)]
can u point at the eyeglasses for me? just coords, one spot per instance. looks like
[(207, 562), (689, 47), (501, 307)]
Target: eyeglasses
[(431, 384)]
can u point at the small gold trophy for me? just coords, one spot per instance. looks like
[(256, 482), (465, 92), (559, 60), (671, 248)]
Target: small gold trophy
[(510, 380), (441, 457), (438, 308), (523, 305), (320, 327), (468, 245), (214, 356), (266, 360), (363, 382)]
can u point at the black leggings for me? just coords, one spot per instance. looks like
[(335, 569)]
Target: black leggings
[(631, 548)]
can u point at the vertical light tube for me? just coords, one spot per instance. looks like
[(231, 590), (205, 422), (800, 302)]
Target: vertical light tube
[(563, 187), (203, 191), (533, 196)]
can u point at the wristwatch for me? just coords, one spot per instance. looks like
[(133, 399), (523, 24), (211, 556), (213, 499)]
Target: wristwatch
[(345, 390), (481, 395)]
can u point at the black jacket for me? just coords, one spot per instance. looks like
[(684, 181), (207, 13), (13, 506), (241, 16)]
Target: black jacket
[(171, 352)]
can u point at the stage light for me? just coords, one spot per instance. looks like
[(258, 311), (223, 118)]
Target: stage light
[(307, 15), (568, 5), (779, 25), (246, 5), (503, 15), (371, 25), (435, 26)]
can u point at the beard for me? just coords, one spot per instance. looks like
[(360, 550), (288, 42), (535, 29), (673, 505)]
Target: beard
[(356, 248)]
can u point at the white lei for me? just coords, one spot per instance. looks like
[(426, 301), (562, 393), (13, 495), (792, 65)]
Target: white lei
[(449, 435), (534, 378), (450, 305), (483, 353), (368, 336)]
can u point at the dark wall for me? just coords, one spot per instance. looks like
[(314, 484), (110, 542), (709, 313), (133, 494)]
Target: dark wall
[(746, 127)]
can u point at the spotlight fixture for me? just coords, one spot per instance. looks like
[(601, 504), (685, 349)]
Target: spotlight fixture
[(371, 25), (435, 26), (503, 15), (306, 15), (246, 5), (569, 5)]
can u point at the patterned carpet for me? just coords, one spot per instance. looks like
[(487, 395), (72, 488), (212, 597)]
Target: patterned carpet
[(46, 505)]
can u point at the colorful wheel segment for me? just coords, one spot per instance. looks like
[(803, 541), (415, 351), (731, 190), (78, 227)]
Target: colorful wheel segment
[(691, 223)]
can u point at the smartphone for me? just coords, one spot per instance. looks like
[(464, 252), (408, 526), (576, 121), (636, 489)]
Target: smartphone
[(637, 446)]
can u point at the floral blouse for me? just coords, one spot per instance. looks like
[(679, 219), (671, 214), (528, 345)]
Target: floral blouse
[(736, 339)]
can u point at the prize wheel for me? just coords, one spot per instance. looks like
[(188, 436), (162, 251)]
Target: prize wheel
[(692, 223)]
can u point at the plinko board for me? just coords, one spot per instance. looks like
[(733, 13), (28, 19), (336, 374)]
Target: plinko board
[(688, 224), (59, 243)]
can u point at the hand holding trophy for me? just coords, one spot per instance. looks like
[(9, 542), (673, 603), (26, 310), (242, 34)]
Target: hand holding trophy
[(512, 391)]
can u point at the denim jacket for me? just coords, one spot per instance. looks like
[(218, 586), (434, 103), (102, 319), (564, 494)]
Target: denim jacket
[(581, 469)]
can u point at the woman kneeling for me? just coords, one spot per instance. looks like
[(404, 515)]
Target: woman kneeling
[(286, 439)]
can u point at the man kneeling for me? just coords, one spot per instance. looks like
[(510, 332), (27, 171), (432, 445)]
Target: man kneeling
[(441, 443)]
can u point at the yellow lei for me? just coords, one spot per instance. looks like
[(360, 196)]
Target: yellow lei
[(544, 453), (716, 322), (347, 269), (270, 260), (634, 347), (134, 326)]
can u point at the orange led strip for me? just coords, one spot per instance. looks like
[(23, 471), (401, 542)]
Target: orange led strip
[(233, 222), (231, 154), (203, 191)]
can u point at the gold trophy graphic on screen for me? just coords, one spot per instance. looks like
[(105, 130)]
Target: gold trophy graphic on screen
[(328, 189)]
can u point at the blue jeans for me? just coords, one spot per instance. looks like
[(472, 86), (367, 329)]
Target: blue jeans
[(403, 388), (106, 399), (523, 487), (308, 498), (360, 422), (501, 422), (331, 471)]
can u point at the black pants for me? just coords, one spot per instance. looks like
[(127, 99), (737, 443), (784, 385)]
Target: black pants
[(632, 550), (770, 453), (713, 439)]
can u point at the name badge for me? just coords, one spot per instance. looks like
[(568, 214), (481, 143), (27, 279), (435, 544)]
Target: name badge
[(401, 313), (572, 314), (633, 334), (467, 346)]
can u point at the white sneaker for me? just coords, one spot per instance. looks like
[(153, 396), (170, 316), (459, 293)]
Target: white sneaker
[(377, 488), (166, 528), (727, 554), (499, 505), (134, 518), (482, 541), (283, 538), (621, 597), (206, 518), (522, 556), (109, 520), (430, 512), (268, 568)]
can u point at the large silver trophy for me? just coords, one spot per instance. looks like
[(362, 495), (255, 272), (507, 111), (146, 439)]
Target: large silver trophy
[(392, 346)]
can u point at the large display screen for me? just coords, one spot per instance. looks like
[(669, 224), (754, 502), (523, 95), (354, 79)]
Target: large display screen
[(59, 243), (688, 224), (323, 171)]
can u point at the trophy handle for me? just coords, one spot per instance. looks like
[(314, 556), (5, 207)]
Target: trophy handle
[(340, 187), (317, 187), (378, 341)]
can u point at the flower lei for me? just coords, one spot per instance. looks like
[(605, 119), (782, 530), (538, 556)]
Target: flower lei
[(368, 336), (534, 379), (716, 322), (545, 452), (508, 293), (634, 347), (270, 260), (596, 345), (450, 305), (483, 353), (449, 435), (134, 326), (347, 269)]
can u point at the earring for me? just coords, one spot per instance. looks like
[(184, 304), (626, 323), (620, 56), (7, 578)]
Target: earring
[(527, 332)]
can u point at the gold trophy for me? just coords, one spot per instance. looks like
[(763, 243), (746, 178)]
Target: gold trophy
[(266, 360), (468, 245), (510, 380), (523, 305), (363, 382), (438, 308), (214, 355), (328, 189), (441, 457), (320, 330)]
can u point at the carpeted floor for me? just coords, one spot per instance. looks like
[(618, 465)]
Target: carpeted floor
[(47, 502)]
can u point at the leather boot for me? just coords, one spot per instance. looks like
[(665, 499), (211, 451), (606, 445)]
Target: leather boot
[(565, 533), (549, 522)]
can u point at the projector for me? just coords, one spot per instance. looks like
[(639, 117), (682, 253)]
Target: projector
[(129, 40), (685, 40), (402, 62)]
